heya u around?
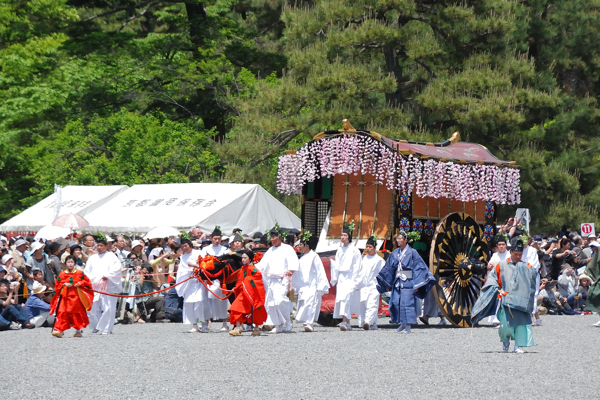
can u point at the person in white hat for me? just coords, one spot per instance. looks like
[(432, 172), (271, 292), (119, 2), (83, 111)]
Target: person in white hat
[(104, 270), (40, 262), (19, 258), (36, 309), (12, 274)]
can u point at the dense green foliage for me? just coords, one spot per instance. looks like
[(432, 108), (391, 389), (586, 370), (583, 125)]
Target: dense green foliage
[(132, 91)]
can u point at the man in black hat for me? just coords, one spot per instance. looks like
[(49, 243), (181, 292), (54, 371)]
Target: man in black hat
[(310, 282), (407, 276), (372, 264), (347, 277), (514, 282), (277, 267)]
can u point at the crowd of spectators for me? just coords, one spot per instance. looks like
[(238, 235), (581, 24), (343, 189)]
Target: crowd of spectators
[(563, 260)]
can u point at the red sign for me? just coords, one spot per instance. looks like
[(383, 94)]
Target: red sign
[(587, 229)]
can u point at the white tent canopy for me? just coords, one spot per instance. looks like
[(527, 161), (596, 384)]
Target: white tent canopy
[(73, 199), (186, 205)]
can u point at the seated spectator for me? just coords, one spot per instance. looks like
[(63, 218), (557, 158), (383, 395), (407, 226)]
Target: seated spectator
[(36, 308), (39, 278), (584, 286), (567, 286), (150, 308), (555, 304), (173, 306), (12, 315)]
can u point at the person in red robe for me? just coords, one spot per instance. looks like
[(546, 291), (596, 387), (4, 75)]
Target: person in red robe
[(74, 296), (249, 304)]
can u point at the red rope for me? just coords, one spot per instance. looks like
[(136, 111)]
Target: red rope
[(144, 295)]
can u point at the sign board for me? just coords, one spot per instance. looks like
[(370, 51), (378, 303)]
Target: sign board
[(588, 229), (523, 214)]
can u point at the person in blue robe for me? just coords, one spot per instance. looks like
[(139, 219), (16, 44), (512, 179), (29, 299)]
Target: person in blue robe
[(406, 275), (512, 283)]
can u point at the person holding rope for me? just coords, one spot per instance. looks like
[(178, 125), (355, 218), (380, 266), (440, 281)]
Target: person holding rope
[(277, 267), (218, 307), (104, 270), (249, 304), (195, 296), (74, 297)]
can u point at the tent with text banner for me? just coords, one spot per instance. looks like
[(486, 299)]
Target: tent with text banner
[(69, 199), (186, 205)]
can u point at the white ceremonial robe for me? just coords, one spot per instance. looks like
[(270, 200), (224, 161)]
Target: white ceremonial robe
[(530, 255), (195, 296), (103, 312), (276, 262), (218, 307), (310, 282), (497, 257), (369, 295), (347, 275)]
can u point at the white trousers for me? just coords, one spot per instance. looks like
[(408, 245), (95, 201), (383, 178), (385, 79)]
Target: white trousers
[(218, 307), (196, 311), (309, 305), (102, 315), (278, 305), (369, 305)]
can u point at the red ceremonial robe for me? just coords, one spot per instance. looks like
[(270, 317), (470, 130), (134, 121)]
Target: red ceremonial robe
[(76, 300), (249, 304)]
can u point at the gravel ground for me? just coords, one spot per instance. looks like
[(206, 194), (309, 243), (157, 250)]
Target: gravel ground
[(161, 360)]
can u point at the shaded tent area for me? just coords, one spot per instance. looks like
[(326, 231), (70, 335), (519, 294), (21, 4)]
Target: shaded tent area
[(138, 209), (73, 199), (187, 205)]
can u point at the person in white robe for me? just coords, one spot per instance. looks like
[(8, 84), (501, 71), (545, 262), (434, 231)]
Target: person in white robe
[(196, 306), (501, 255), (346, 275), (104, 270), (369, 295), (530, 255), (277, 268), (218, 307), (310, 282)]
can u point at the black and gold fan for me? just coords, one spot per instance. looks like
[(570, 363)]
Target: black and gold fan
[(458, 260)]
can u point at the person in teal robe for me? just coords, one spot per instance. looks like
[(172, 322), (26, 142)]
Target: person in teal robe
[(513, 284)]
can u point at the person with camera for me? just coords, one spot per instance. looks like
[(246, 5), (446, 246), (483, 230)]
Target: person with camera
[(12, 315), (151, 308), (562, 257), (160, 260)]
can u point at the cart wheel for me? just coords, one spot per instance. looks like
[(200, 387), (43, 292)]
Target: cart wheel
[(458, 260)]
